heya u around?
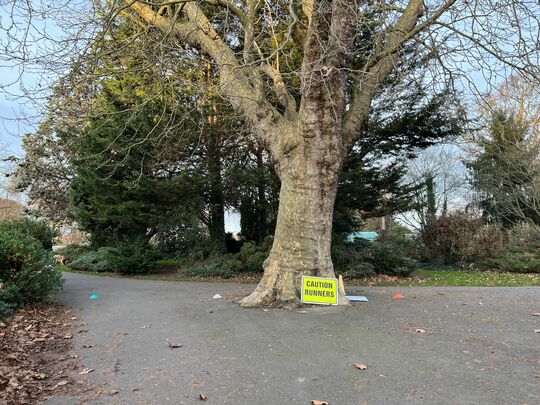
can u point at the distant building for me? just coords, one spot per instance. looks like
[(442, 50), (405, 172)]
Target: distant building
[(366, 235)]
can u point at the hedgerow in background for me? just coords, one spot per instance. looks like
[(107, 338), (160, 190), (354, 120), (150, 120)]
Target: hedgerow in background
[(26, 273), (461, 238)]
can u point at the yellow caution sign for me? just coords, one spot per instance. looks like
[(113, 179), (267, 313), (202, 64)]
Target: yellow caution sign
[(319, 290)]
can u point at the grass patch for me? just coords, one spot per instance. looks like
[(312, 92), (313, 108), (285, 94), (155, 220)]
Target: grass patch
[(449, 278)]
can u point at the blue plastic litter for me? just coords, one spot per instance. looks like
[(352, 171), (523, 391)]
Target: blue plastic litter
[(93, 297), (357, 298)]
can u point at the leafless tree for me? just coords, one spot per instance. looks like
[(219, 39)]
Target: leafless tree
[(442, 165)]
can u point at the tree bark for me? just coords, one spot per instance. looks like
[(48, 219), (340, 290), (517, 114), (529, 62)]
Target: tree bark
[(303, 235)]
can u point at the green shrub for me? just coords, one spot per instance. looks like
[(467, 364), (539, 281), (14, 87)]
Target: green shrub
[(26, 273), (391, 254), (250, 259), (37, 229), (217, 266), (132, 256), (351, 259), (73, 252), (516, 259), (360, 269), (182, 242), (10, 299), (94, 260), (387, 260)]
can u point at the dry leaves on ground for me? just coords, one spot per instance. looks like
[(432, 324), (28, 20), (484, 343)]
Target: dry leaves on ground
[(34, 354)]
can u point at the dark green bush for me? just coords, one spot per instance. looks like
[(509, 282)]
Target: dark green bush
[(132, 256), (217, 266), (94, 260), (391, 254), (182, 242), (516, 259), (37, 229), (73, 252), (360, 269), (10, 299), (26, 273), (386, 259), (351, 260), (250, 259)]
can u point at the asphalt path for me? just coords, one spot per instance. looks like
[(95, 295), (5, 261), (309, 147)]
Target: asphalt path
[(458, 345)]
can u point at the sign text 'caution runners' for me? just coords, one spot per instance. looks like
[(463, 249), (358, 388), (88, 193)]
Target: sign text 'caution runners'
[(319, 290)]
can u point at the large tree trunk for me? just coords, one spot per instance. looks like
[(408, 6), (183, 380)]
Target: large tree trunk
[(303, 235)]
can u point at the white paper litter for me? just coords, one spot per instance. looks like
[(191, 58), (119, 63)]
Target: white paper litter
[(357, 298)]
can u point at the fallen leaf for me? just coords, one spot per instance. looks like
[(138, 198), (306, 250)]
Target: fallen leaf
[(537, 331), (14, 383), (360, 366), (420, 330), (203, 397), (62, 383), (174, 345), (317, 402), (86, 371), (68, 336), (535, 313), (114, 392)]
